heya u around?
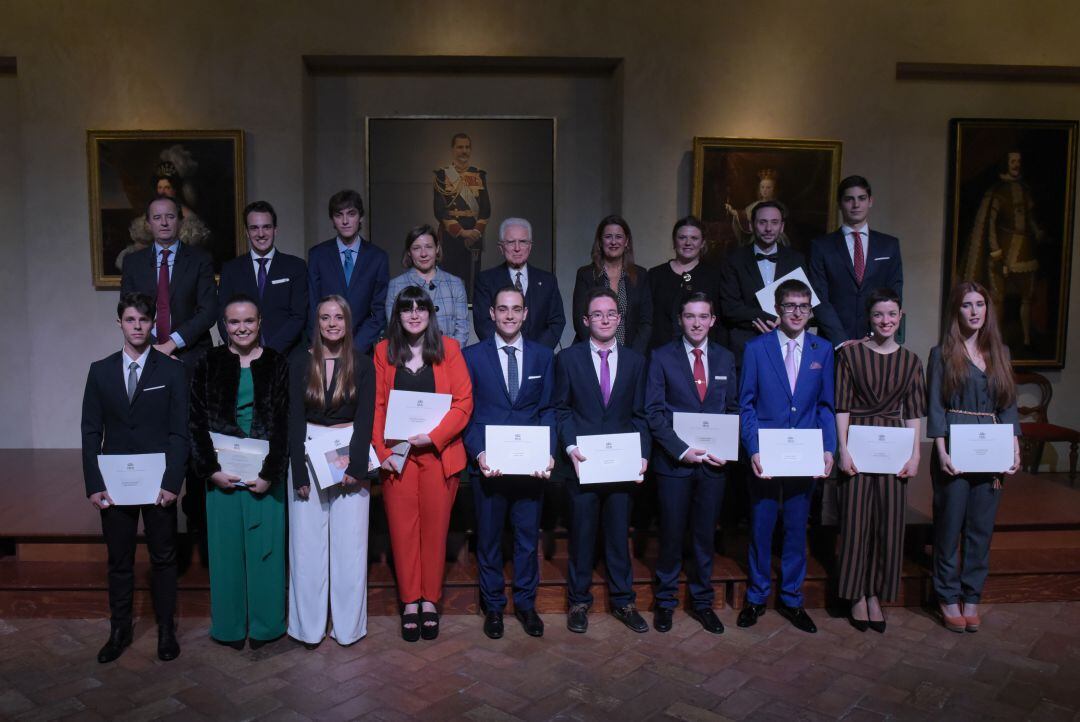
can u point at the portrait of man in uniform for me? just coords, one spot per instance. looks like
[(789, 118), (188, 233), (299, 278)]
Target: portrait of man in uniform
[(462, 208)]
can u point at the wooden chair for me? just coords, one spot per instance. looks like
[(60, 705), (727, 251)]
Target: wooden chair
[(1035, 434)]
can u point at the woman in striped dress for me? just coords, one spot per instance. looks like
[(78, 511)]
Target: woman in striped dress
[(878, 383)]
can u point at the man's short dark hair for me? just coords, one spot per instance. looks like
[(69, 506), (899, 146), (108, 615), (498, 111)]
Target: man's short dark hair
[(170, 199), (141, 302), (853, 181), (792, 287), (454, 140), (600, 292), (260, 207), (508, 289), (343, 200), (769, 204), (696, 297)]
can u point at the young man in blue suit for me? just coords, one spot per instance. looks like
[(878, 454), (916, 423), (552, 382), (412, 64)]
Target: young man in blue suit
[(526, 371), (277, 280), (694, 375), (787, 383), (546, 320), (600, 389), (353, 268)]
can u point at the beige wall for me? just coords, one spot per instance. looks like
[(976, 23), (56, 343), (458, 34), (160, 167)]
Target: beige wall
[(787, 68)]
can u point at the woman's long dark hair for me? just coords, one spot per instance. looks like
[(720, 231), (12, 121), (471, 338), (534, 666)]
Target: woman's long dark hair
[(999, 375), (598, 247), (397, 349), (315, 393)]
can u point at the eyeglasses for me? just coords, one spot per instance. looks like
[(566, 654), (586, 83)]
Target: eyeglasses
[(517, 244), (791, 308), (600, 316)]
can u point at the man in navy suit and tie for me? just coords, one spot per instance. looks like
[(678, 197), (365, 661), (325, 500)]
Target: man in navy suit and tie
[(600, 389), (136, 402), (353, 268), (546, 320), (524, 398), (850, 263), (277, 280), (787, 383), (691, 375)]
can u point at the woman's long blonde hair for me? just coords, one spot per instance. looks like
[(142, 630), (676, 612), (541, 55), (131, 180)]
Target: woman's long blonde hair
[(345, 391), (999, 374)]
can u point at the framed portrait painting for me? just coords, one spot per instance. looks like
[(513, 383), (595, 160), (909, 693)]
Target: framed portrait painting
[(463, 176), (203, 169), (1010, 227), (732, 175)]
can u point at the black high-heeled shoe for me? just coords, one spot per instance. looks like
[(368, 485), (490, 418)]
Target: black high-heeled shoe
[(410, 634), (429, 624)]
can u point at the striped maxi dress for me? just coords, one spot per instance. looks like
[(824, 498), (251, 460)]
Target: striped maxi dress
[(876, 390)]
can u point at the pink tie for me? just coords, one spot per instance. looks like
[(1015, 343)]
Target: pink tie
[(605, 376), (789, 364)]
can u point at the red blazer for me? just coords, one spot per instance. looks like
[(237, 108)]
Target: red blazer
[(451, 377)]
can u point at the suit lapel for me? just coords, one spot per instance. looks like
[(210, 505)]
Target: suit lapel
[(873, 248), (180, 265), (752, 270), (496, 368), (842, 255), (710, 375), (145, 376), (810, 344), (772, 350), (116, 384), (785, 262)]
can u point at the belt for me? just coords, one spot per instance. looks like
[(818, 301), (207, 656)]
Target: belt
[(866, 414), (461, 214), (983, 414)]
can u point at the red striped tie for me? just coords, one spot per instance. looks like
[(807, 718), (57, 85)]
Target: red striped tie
[(860, 258), (163, 317)]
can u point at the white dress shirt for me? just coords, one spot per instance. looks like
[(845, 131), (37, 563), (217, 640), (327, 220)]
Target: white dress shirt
[(504, 358), (269, 259), (354, 247), (127, 362), (849, 239), (798, 346), (689, 347), (767, 268), (524, 271), (613, 365)]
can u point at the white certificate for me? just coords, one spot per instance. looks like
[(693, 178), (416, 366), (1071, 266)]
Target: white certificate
[(766, 297), (609, 458), (517, 449), (978, 448), (791, 452), (327, 452), (239, 456), (410, 413), (880, 449), (132, 479), (718, 434)]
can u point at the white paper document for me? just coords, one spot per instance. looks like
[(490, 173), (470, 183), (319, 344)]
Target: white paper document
[(766, 297), (880, 449), (327, 450), (718, 434), (132, 479), (517, 449), (240, 456), (791, 452), (976, 448), (609, 458), (409, 413)]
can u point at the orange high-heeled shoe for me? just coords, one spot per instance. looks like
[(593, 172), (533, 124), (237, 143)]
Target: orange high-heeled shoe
[(953, 624)]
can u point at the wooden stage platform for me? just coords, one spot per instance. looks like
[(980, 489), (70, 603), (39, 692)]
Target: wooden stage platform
[(52, 558)]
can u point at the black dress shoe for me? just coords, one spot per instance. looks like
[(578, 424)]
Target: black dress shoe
[(493, 625), (260, 643), (578, 618), (878, 627), (168, 648), (860, 625), (708, 619), (531, 621), (661, 620), (629, 616), (119, 638), (238, 644), (749, 615), (798, 618)]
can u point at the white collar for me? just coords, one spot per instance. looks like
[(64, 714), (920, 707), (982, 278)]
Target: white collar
[(269, 255), (518, 343), (689, 347), (864, 229), (141, 360), (784, 338)]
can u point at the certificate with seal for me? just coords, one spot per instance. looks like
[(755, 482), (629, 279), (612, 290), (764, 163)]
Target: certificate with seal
[(241, 457), (766, 297), (517, 449), (718, 434), (610, 458), (791, 452), (981, 448), (409, 413), (880, 449), (327, 450), (132, 479)]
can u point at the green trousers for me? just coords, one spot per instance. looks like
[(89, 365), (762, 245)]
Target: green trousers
[(246, 535)]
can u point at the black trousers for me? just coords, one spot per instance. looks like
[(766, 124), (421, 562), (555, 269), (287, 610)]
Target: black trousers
[(120, 525)]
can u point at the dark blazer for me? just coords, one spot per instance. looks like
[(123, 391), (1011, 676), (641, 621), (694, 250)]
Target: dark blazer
[(192, 294), (365, 291), (671, 388), (213, 408), (546, 319), (842, 313), (284, 305), (579, 407), (740, 279), (765, 398), (155, 421), (639, 309), (491, 402)]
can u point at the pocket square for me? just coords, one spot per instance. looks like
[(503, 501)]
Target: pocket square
[(719, 378), (535, 377), (155, 388), (815, 365), (882, 258), (276, 281)]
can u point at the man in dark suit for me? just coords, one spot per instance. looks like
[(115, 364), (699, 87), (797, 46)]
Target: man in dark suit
[(353, 268), (748, 269), (276, 280), (524, 398), (691, 375), (136, 402), (600, 389), (850, 263), (786, 383), (545, 320)]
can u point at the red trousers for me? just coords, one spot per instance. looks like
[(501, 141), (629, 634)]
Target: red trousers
[(418, 507)]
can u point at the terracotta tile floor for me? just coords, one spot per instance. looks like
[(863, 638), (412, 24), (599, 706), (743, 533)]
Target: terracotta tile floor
[(1024, 664)]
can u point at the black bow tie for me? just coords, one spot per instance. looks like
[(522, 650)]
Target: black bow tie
[(771, 257)]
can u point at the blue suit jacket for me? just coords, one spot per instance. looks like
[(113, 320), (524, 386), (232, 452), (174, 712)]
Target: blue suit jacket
[(765, 398), (365, 291), (671, 388), (546, 319), (284, 305), (491, 402), (579, 406)]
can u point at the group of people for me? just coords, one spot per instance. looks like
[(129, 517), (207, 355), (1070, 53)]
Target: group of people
[(322, 344)]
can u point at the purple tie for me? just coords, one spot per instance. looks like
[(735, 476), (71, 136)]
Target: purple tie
[(605, 377), (789, 364), (262, 276)]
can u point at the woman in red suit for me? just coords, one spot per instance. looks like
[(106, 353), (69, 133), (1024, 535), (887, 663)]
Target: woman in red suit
[(415, 356)]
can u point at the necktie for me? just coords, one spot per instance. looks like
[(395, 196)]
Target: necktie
[(860, 257), (771, 257), (261, 280), (789, 364), (605, 376), (511, 372), (699, 374), (517, 281), (162, 318), (133, 379), (348, 265)]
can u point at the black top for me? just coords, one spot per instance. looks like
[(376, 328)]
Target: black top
[(329, 415), (668, 289), (422, 381)]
